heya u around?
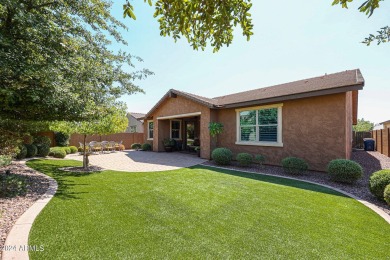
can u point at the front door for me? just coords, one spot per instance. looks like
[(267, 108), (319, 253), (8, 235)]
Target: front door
[(189, 133)]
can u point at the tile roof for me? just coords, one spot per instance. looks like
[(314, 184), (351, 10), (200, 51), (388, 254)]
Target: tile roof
[(137, 115), (322, 85)]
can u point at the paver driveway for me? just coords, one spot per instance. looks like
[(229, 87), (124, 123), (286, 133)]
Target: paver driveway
[(139, 161)]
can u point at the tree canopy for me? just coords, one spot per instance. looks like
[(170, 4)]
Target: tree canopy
[(363, 126), (368, 7)]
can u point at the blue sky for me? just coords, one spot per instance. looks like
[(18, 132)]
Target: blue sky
[(292, 40)]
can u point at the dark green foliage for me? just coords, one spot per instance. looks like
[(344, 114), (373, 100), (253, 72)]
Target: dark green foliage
[(5, 160), (12, 185), (146, 147), (244, 159), (22, 152), (386, 194), (169, 142), (222, 156), (260, 159), (39, 140), (342, 170), (57, 152), (136, 146), (43, 150), (62, 139), (378, 182), (73, 149), (294, 165), (32, 150)]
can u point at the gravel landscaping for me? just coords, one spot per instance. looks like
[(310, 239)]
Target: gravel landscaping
[(12, 208), (370, 161)]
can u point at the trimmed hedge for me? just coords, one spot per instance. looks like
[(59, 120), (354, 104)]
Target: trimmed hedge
[(43, 150), (32, 150), (386, 194), (136, 146), (294, 165), (22, 152), (244, 159), (260, 159), (378, 182), (73, 149), (57, 152), (222, 156), (346, 171), (66, 149), (146, 147)]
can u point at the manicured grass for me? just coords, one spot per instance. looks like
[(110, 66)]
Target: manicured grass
[(201, 213)]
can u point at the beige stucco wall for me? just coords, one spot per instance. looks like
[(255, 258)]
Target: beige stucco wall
[(313, 129), (134, 122), (180, 106)]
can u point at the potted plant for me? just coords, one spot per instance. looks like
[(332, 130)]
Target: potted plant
[(197, 149), (169, 144)]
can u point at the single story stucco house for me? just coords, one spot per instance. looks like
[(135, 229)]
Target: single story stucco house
[(310, 118)]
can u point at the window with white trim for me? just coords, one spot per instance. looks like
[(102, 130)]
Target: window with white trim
[(260, 125), (176, 129), (150, 129), (133, 129)]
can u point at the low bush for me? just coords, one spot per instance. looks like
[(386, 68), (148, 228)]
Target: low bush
[(12, 185), (342, 170), (5, 160), (386, 194), (294, 165), (32, 150), (146, 147), (222, 156), (244, 159), (57, 152), (259, 159), (43, 150), (66, 149), (22, 152), (378, 182), (136, 146), (73, 149)]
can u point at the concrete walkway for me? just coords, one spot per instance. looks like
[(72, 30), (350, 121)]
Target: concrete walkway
[(139, 161)]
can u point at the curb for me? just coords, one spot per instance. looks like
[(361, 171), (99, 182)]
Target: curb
[(373, 207), (17, 239)]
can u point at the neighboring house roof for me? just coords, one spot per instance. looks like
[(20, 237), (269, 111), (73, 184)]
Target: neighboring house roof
[(323, 85), (137, 116), (385, 122)]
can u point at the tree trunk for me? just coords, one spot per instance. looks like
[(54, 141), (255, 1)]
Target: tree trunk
[(85, 155)]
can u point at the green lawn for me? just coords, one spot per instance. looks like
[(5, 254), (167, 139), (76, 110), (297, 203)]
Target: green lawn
[(199, 213)]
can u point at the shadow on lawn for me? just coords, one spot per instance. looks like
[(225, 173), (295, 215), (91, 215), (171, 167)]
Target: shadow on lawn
[(275, 180), (64, 185)]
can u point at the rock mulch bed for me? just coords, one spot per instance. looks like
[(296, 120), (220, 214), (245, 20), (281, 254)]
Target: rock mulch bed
[(370, 161), (12, 208), (91, 168)]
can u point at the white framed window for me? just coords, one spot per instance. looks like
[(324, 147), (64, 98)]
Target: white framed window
[(260, 125), (175, 129), (150, 129), (133, 129)]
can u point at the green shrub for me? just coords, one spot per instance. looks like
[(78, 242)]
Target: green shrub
[(386, 194), (5, 160), (222, 156), (136, 146), (62, 139), (42, 140), (260, 159), (244, 159), (12, 185), (66, 149), (22, 152), (378, 182), (342, 170), (294, 165), (43, 150), (32, 150), (146, 147), (73, 149), (57, 152)]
